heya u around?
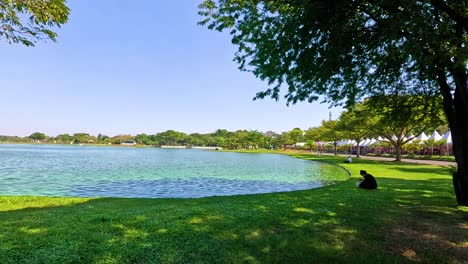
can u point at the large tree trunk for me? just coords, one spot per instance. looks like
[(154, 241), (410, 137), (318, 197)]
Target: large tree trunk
[(460, 140), (334, 144), (456, 109), (398, 152), (358, 150)]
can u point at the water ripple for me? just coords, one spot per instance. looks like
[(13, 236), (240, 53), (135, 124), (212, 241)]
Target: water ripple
[(185, 188), (149, 172)]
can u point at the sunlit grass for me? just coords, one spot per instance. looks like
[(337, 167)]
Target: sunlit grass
[(411, 217)]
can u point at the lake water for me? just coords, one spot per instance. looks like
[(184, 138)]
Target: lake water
[(55, 170)]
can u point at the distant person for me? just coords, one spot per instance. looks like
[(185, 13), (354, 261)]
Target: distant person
[(348, 160), (369, 181)]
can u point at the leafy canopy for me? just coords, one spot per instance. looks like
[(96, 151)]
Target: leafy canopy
[(398, 116), (343, 50), (355, 123), (37, 136), (27, 21), (296, 135)]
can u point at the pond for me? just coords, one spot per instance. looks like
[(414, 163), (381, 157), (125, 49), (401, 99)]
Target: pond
[(87, 171)]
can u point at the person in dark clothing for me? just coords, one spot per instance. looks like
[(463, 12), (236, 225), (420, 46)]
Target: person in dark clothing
[(369, 181)]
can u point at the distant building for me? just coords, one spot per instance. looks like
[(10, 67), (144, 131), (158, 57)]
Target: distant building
[(173, 147), (128, 143)]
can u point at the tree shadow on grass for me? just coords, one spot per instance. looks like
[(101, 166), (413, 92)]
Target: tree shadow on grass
[(403, 221)]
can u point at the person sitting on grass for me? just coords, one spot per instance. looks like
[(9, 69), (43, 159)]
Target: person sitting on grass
[(369, 181), (348, 160)]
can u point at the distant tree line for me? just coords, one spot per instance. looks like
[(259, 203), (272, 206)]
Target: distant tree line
[(397, 119), (220, 138)]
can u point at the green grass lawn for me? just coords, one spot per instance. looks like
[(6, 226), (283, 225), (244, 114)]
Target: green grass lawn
[(412, 217)]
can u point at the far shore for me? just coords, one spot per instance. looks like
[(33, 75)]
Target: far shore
[(431, 160)]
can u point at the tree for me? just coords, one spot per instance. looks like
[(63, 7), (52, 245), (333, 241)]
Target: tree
[(171, 137), (429, 146), (296, 135), (355, 124), (397, 117), (440, 144), (278, 141), (105, 139), (350, 49), (271, 139), (27, 22), (81, 138), (255, 139), (220, 136), (99, 138), (13, 139), (329, 132), (196, 139), (37, 136), (241, 138), (119, 139), (143, 139), (413, 146), (312, 136), (284, 139), (64, 138)]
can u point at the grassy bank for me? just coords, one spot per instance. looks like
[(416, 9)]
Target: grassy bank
[(302, 151), (411, 217)]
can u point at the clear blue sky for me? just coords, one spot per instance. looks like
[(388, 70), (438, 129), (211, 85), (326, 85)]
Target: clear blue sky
[(129, 67)]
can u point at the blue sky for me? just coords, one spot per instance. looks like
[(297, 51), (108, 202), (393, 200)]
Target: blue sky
[(129, 67)]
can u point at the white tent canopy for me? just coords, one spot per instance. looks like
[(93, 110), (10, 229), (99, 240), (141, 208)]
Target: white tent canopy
[(365, 143), (341, 143), (435, 136), (345, 142), (381, 139), (372, 142), (411, 137), (422, 137), (448, 136)]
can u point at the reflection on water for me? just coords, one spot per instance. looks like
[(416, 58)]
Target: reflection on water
[(150, 172)]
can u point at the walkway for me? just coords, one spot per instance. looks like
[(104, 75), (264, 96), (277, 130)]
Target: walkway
[(429, 162)]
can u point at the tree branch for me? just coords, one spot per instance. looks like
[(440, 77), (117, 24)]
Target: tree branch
[(454, 14)]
